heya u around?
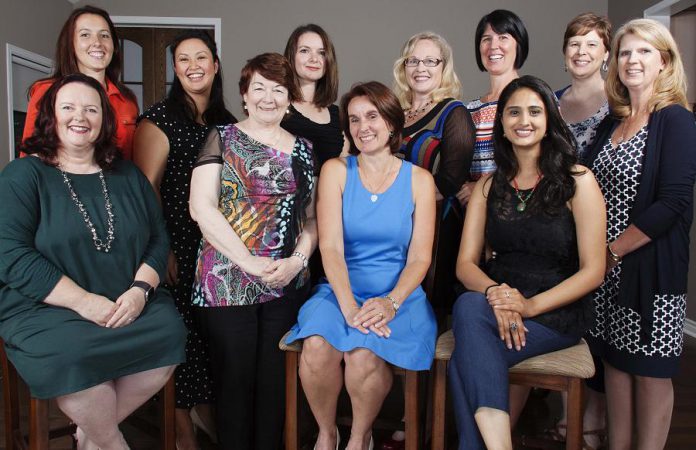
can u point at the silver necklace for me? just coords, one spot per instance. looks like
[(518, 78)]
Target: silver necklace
[(98, 242), (374, 197)]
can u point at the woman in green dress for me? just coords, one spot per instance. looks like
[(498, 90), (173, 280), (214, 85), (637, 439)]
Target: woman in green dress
[(82, 248)]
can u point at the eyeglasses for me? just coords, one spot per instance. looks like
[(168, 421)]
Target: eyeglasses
[(427, 62)]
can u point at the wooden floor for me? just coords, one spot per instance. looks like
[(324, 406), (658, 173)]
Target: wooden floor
[(540, 413)]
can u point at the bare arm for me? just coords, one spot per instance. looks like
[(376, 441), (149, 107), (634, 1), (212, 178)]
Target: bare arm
[(150, 151)]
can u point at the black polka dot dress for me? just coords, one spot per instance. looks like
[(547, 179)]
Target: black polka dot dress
[(193, 385)]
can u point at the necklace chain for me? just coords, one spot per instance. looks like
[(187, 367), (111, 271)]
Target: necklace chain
[(624, 126), (522, 205), (98, 242), (368, 185), (413, 113)]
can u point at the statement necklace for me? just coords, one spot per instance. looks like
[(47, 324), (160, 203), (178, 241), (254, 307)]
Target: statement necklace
[(374, 197), (522, 205), (98, 242), (413, 113)]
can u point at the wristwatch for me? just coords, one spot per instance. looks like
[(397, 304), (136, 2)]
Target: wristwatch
[(145, 286)]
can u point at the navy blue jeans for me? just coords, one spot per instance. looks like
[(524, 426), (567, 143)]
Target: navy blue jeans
[(478, 370)]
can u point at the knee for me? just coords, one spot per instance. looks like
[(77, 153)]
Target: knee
[(318, 355), (362, 362), (470, 308)]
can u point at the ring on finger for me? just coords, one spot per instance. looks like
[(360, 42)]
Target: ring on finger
[(507, 294), (380, 315), (513, 326), (130, 319)]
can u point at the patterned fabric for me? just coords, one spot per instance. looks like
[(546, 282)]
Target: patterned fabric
[(618, 173), (585, 130), (257, 194), (483, 115)]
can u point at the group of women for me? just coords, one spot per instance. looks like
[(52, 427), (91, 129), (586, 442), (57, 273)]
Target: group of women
[(223, 218)]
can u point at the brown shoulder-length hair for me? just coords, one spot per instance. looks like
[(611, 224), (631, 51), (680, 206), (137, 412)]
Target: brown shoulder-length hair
[(271, 66), (387, 105), (66, 60), (44, 141), (326, 91)]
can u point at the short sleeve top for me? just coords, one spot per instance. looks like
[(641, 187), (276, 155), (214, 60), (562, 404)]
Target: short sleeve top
[(326, 138)]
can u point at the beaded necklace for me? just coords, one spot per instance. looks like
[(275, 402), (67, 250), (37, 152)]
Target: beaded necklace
[(522, 205)]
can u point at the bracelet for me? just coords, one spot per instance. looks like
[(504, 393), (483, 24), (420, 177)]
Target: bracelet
[(614, 257), (491, 286), (302, 257), (394, 303)]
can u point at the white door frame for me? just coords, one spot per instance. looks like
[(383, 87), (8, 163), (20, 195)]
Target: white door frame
[(663, 11), (18, 55)]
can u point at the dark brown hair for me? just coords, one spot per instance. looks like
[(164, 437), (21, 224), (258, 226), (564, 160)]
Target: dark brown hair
[(66, 60), (44, 141), (327, 87), (274, 67), (503, 21), (387, 105), (586, 22)]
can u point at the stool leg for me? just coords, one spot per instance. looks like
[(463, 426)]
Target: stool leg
[(574, 412), (167, 415), (10, 394), (38, 424), (291, 382), (439, 392), (411, 410)]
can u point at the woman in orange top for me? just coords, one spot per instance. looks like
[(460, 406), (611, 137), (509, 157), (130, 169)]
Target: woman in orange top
[(88, 44)]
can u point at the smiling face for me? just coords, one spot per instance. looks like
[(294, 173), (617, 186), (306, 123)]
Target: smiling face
[(266, 100), (78, 116), (639, 63), (498, 51), (421, 79), (524, 119), (584, 55), (93, 44), (195, 66), (310, 59), (369, 130)]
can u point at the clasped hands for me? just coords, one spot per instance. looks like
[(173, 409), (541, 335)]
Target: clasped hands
[(109, 314), (373, 316), (510, 307), (275, 273)]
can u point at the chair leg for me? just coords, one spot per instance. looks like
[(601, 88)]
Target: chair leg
[(38, 424), (291, 388), (439, 392), (574, 412), (411, 421), (168, 416), (10, 394)]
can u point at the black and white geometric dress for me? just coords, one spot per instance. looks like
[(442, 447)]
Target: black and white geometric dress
[(617, 328)]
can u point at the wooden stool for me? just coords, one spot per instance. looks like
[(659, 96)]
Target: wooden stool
[(39, 431), (562, 370)]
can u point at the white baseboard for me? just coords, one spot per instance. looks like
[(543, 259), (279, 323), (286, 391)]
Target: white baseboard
[(690, 328)]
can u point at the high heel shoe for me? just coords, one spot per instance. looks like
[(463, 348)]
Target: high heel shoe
[(338, 440), (199, 423)]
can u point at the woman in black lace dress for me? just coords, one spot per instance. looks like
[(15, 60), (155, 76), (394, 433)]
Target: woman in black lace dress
[(169, 135), (543, 217)]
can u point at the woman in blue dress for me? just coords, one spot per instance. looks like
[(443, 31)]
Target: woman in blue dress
[(375, 235)]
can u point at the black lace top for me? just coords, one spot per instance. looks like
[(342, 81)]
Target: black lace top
[(534, 251)]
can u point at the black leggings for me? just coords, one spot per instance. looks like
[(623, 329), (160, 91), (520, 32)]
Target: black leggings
[(248, 370)]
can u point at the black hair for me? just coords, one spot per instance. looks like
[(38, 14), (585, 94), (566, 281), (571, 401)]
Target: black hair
[(181, 104), (558, 150), (503, 21)]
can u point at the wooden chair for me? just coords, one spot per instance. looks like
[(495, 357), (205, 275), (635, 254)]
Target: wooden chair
[(563, 370), (412, 423), (39, 430)]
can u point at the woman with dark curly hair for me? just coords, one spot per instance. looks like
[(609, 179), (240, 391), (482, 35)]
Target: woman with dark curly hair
[(83, 247), (542, 215)]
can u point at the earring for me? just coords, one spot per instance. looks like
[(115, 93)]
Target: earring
[(605, 66), (391, 134), (287, 111), (245, 106), (565, 68)]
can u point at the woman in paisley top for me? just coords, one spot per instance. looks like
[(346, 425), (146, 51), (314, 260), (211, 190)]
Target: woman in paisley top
[(586, 46), (251, 194), (167, 140), (644, 157)]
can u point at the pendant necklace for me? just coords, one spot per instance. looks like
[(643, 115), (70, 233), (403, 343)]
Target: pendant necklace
[(101, 245), (374, 197), (413, 113), (522, 205)]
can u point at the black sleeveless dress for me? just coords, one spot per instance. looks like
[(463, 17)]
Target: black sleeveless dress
[(533, 251)]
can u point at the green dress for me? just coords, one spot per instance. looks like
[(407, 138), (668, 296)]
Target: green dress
[(43, 237)]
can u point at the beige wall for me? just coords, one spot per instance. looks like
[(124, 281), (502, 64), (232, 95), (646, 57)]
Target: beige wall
[(621, 11), (32, 25), (368, 34)]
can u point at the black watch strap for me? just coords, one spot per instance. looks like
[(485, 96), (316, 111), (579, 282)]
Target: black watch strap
[(145, 286)]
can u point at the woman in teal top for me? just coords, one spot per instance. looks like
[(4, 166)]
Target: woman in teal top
[(82, 247)]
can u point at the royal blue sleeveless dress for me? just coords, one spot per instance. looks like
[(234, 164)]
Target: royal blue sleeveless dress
[(376, 237)]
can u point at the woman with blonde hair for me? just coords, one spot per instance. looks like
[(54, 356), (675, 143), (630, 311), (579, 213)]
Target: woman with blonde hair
[(644, 159)]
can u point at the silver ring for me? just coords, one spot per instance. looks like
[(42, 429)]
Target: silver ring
[(507, 294), (513, 326), (381, 316), (130, 319)]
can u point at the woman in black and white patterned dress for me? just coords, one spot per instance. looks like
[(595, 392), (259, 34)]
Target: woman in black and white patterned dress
[(645, 162), (169, 135)]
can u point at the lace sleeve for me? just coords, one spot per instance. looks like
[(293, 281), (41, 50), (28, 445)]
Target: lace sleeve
[(211, 151), (456, 151)]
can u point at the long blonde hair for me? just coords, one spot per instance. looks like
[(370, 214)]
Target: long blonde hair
[(450, 85), (670, 84)]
